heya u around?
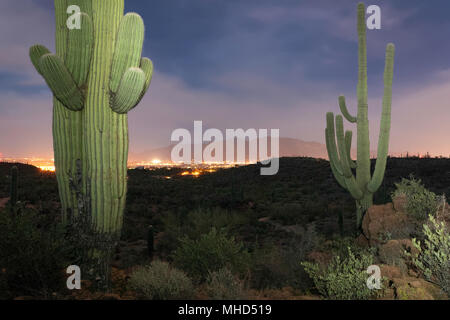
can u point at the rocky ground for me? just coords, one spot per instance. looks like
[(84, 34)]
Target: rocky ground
[(389, 229)]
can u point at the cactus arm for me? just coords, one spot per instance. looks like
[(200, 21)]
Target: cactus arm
[(333, 154), (126, 97), (339, 177), (147, 67), (344, 110), (129, 91), (350, 180), (348, 147), (36, 52), (60, 81), (342, 149), (66, 147), (385, 126), (80, 45), (128, 49)]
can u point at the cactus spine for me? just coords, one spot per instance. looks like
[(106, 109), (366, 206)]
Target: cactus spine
[(97, 76), (363, 185)]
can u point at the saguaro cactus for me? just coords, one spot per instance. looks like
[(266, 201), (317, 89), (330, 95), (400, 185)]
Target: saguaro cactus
[(97, 75), (363, 185)]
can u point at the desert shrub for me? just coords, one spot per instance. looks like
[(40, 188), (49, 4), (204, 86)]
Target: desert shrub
[(443, 212), (4, 290), (134, 226), (201, 221), (34, 254), (339, 247), (344, 278), (159, 281), (277, 266), (211, 252), (420, 201), (223, 285), (195, 223), (297, 212), (433, 256), (287, 213), (269, 268)]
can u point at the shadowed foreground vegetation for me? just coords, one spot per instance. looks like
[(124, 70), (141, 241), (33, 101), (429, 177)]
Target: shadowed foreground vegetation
[(234, 230)]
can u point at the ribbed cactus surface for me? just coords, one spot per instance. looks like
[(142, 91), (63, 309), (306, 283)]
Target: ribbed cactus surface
[(363, 185), (97, 76)]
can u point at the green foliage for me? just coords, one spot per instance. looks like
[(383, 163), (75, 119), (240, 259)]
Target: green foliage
[(34, 254), (223, 285), (275, 267), (13, 192), (37, 187), (211, 252), (159, 281), (384, 237), (202, 220), (195, 223), (420, 201), (298, 213), (433, 256), (150, 241), (344, 278)]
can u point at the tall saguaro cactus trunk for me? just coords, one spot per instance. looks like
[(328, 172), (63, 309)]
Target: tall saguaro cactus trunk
[(361, 186), (97, 75)]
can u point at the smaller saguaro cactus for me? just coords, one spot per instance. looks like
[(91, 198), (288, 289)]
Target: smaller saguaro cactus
[(361, 186), (13, 187)]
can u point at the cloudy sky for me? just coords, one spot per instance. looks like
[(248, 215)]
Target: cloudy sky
[(248, 64)]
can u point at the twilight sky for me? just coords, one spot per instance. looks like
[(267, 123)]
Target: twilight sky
[(248, 64)]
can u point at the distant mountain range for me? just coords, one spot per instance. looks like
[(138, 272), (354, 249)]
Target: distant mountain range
[(288, 147)]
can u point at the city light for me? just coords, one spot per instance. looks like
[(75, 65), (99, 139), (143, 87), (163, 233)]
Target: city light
[(47, 168), (190, 169)]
